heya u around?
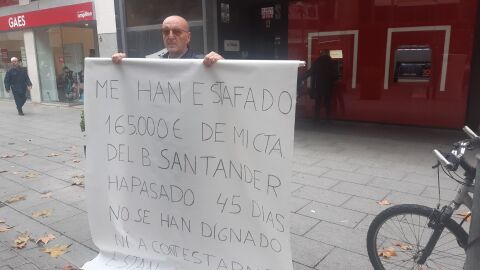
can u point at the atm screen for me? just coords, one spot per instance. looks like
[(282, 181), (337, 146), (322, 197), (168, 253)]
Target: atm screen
[(412, 72)]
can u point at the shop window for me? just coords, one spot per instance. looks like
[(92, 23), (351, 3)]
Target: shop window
[(153, 12), (413, 64), (11, 45)]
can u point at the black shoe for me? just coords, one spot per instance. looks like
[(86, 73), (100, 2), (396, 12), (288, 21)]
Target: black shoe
[(21, 113)]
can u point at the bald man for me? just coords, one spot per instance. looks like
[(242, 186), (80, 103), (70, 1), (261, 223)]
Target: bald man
[(18, 81), (176, 37)]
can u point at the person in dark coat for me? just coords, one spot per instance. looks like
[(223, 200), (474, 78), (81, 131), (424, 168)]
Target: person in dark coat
[(324, 75), (18, 81)]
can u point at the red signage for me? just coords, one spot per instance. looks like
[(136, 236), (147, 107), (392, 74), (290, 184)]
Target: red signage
[(51, 16), (4, 3)]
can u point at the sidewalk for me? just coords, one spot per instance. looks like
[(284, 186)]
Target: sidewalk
[(340, 172)]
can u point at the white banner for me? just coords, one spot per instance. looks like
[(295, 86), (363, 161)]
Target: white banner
[(188, 166)]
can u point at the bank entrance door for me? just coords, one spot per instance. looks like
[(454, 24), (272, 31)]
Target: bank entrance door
[(253, 29)]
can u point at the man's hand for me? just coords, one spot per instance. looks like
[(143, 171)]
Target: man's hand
[(117, 57), (211, 58)]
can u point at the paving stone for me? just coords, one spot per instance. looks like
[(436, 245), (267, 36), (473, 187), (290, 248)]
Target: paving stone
[(405, 198), (70, 194), (16, 262), (349, 176), (314, 170), (65, 173), (296, 266), (364, 205), (297, 203), (383, 172), (43, 260), (340, 259), (307, 251), (339, 236), (60, 211), (431, 181), (79, 255), (89, 243), (321, 195), (337, 165), (432, 192), (294, 186), (396, 185), (300, 224), (9, 188), (361, 190), (75, 227), (333, 214), (316, 181)]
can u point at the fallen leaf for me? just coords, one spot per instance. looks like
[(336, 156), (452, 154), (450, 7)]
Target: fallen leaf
[(54, 155), (8, 156), (69, 267), (16, 198), (56, 251), (78, 180), (31, 175), (384, 202), (3, 171), (11, 143), (387, 253), (2, 221), (403, 246), (45, 239), (43, 213), (21, 241), (76, 161), (5, 228), (22, 155), (46, 195), (465, 214)]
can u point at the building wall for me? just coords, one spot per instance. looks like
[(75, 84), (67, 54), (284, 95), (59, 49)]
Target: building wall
[(435, 103)]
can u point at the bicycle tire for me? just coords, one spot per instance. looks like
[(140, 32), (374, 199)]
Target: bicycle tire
[(384, 258)]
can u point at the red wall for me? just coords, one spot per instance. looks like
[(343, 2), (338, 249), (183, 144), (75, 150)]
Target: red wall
[(4, 3), (403, 103)]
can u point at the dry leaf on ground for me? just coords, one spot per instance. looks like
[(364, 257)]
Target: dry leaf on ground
[(76, 161), (384, 202), (387, 253), (54, 155), (2, 221), (3, 171), (69, 267), (43, 213), (465, 214), (56, 251), (46, 195), (5, 228), (31, 175), (21, 241), (78, 180), (45, 239), (8, 156), (16, 198), (403, 246), (22, 155)]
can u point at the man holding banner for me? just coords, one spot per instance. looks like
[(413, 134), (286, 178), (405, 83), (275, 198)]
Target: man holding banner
[(176, 38), (190, 166)]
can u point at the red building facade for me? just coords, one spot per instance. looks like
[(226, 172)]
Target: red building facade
[(400, 61)]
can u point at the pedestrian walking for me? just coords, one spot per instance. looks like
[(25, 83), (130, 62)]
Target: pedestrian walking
[(18, 81)]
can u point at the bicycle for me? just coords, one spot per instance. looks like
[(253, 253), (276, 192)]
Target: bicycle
[(411, 236)]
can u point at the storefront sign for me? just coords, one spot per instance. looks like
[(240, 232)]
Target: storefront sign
[(189, 167), (52, 16), (231, 45), (4, 3)]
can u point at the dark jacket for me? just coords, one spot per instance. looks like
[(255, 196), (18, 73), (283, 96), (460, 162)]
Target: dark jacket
[(17, 80), (323, 74)]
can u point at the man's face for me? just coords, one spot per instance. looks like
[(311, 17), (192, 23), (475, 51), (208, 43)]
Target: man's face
[(176, 35), (15, 62)]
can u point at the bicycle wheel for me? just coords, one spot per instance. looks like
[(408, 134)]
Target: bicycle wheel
[(398, 235)]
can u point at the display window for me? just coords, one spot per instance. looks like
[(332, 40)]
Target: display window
[(60, 56)]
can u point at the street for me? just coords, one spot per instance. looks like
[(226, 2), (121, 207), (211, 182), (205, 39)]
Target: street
[(341, 170)]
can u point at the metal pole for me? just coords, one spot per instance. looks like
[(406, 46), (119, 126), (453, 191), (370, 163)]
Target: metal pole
[(473, 252)]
